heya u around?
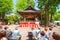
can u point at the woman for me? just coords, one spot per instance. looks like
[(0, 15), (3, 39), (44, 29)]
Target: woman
[(30, 36), (4, 34)]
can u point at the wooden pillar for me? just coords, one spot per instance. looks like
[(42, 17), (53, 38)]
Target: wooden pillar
[(41, 19), (35, 18), (24, 19)]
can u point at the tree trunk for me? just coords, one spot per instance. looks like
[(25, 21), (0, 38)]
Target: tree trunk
[(3, 15), (0, 16), (51, 18), (46, 16)]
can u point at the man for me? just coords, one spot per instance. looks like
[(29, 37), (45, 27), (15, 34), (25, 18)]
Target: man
[(8, 33), (50, 32), (33, 32), (16, 34), (38, 33), (46, 33)]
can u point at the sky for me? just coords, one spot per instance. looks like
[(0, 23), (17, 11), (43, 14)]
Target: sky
[(14, 1), (36, 4), (58, 9)]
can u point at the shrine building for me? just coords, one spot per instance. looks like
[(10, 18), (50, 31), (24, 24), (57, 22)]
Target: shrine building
[(31, 14)]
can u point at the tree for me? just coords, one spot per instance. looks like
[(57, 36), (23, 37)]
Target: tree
[(52, 12), (5, 6), (48, 6), (22, 4), (57, 16), (13, 18)]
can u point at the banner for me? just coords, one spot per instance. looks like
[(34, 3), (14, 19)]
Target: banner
[(30, 24)]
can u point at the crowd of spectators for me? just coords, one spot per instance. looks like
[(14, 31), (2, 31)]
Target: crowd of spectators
[(7, 34), (46, 34)]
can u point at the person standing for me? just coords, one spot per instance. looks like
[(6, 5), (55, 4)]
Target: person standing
[(30, 36), (46, 33), (33, 32), (50, 32), (42, 36), (16, 34), (8, 33), (38, 33)]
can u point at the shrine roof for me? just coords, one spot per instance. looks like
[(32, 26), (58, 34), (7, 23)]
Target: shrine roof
[(29, 9)]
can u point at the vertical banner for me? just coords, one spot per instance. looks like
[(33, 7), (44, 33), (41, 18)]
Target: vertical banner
[(29, 24)]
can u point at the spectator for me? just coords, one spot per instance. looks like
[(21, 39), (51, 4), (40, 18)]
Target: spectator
[(33, 32), (46, 33), (0, 28), (51, 38), (4, 34), (55, 36), (38, 33), (16, 34), (1, 32), (5, 31), (42, 36), (50, 32), (30, 36), (4, 38), (8, 33)]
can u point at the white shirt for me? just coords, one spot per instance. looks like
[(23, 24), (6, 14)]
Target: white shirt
[(16, 34), (34, 32), (50, 33), (38, 35), (42, 38)]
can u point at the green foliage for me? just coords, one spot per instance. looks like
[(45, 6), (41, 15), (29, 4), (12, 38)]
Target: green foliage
[(10, 19), (51, 4), (13, 18), (57, 16), (22, 4), (5, 5), (49, 8)]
